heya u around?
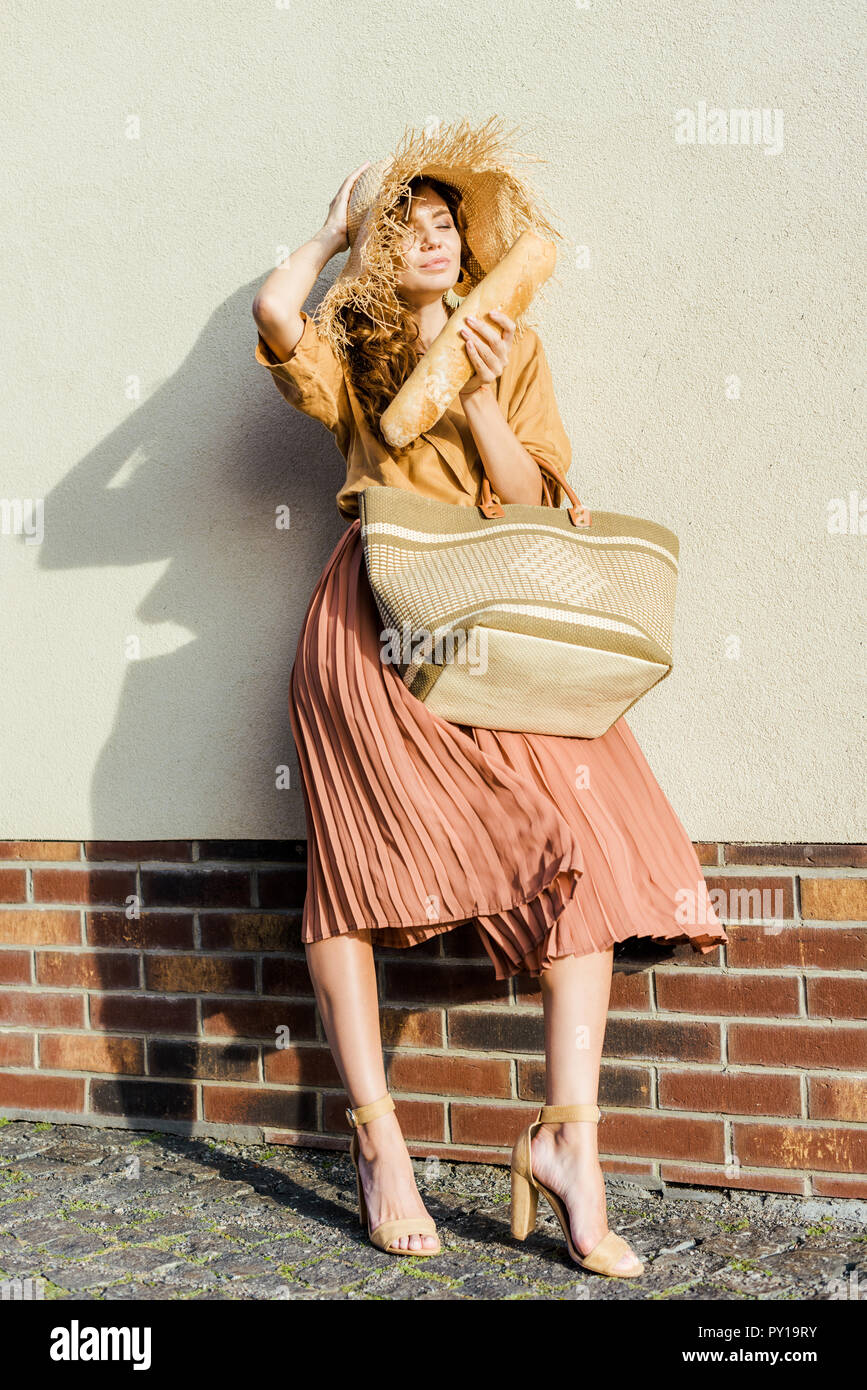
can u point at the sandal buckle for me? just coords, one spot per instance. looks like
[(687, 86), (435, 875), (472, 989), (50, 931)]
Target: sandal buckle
[(350, 1115)]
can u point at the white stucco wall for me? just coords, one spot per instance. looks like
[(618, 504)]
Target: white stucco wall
[(148, 638)]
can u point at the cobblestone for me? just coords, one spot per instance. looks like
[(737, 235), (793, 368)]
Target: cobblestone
[(115, 1215)]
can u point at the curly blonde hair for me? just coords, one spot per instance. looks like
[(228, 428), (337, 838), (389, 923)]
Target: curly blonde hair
[(379, 359)]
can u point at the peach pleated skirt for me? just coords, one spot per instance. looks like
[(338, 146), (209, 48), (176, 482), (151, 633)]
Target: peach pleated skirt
[(551, 846)]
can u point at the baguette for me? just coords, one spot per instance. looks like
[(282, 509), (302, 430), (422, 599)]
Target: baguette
[(445, 368)]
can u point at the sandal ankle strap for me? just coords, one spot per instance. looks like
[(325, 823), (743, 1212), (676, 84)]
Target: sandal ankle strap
[(362, 1113), (562, 1114)]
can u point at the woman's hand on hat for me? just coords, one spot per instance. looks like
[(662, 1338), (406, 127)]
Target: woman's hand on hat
[(488, 346), (335, 220)]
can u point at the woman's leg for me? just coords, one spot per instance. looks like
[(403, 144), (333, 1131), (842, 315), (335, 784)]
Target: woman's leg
[(344, 979), (575, 994)]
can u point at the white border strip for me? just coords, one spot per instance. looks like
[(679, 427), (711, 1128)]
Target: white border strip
[(388, 528)]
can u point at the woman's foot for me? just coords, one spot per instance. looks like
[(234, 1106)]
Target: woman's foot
[(388, 1180), (565, 1158)]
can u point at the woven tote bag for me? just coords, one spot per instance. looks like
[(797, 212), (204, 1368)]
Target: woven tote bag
[(539, 619)]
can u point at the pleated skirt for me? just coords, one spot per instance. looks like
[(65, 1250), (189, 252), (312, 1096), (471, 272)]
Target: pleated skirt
[(551, 846)]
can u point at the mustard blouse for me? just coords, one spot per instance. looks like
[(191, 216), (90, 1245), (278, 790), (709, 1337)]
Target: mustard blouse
[(444, 462)]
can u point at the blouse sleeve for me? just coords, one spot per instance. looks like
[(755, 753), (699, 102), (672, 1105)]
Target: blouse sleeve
[(535, 418), (311, 378)]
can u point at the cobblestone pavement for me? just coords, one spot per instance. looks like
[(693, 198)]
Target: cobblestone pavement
[(120, 1214)]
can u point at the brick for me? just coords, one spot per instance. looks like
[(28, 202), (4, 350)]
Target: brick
[(170, 930), (15, 968), (13, 885), (37, 927), (837, 1098), (449, 1075), (741, 898), (662, 1136), (839, 1187), (199, 974), (158, 1100), (834, 899), (630, 991), (82, 1052), (250, 931), (258, 1018), (138, 851), (40, 849), (40, 1010), (718, 1177), (143, 1013), (618, 1086), (282, 888), (663, 1040), (16, 1049), (195, 887), (284, 976), (836, 996), (800, 946), (798, 856), (493, 1125), (496, 1030), (104, 886), (412, 1027), (731, 1093), (249, 1105), (825, 1148), (301, 1066), (737, 996), (705, 852), (298, 1139), (418, 1119), (87, 969), (33, 1091), (797, 1045), (411, 982), (203, 1061), (281, 851)]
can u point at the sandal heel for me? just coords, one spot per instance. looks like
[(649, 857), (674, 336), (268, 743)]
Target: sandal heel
[(526, 1188), (525, 1204)]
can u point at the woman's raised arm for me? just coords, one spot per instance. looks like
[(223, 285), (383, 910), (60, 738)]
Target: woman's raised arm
[(277, 305)]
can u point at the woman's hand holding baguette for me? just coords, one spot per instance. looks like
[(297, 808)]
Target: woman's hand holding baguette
[(488, 346)]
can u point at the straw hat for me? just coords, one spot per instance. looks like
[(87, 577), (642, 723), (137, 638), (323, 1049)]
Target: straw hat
[(498, 204)]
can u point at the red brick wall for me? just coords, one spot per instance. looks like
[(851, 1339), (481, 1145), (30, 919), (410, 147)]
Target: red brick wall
[(743, 1068)]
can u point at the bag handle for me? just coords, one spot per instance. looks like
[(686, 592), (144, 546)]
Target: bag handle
[(577, 513)]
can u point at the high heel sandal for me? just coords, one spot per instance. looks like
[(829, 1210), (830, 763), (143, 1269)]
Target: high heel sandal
[(526, 1188), (386, 1231)]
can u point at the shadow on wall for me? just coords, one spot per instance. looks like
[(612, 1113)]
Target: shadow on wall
[(193, 479)]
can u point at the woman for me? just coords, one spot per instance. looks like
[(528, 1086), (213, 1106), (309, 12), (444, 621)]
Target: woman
[(554, 847)]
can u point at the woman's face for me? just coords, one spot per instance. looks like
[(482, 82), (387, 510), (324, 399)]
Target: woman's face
[(431, 248)]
